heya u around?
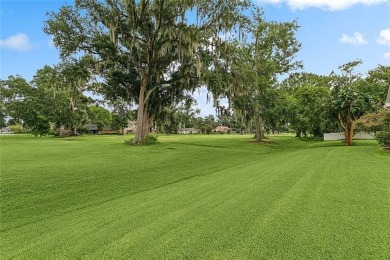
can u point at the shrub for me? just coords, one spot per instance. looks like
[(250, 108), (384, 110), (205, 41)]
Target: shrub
[(149, 140), (16, 129), (209, 129), (383, 138), (41, 128), (83, 130)]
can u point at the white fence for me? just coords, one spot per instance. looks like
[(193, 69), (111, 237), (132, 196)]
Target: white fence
[(341, 136)]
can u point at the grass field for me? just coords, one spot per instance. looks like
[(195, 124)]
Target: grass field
[(193, 197)]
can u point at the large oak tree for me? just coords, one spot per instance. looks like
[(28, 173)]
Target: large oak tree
[(149, 50)]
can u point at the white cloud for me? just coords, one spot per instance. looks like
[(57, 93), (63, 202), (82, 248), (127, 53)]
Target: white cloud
[(323, 4), (357, 39), (18, 42), (387, 55), (384, 37)]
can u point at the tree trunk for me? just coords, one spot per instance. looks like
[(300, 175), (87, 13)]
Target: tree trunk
[(258, 125), (143, 121), (146, 124), (349, 127), (349, 134)]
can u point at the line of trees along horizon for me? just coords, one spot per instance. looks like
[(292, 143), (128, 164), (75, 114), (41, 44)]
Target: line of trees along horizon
[(304, 103), (154, 54)]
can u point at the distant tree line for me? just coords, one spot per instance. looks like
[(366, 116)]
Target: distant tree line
[(304, 103), (154, 54)]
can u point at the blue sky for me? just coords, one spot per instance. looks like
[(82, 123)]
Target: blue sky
[(332, 32)]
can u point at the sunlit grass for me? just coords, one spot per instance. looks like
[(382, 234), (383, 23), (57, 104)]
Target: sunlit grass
[(218, 197)]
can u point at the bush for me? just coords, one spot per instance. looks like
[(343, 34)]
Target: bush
[(41, 128), (83, 130), (384, 138), (16, 129), (149, 140), (209, 129)]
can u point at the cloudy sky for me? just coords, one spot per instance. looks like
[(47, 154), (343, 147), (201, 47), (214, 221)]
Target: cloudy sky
[(332, 32)]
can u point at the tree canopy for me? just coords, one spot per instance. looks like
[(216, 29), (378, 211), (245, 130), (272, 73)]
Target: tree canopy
[(152, 55), (148, 51), (352, 97)]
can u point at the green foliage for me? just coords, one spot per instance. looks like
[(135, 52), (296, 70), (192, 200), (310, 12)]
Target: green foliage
[(16, 129), (62, 88), (207, 129), (353, 96), (147, 52), (383, 138), (247, 71), (99, 116), (41, 126), (374, 122), (3, 115), (378, 122), (187, 113), (169, 120), (54, 98), (209, 120), (16, 95), (82, 130), (285, 200), (308, 99), (380, 78), (27, 105), (149, 140), (118, 121)]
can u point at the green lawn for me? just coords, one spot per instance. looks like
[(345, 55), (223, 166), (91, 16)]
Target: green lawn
[(193, 197)]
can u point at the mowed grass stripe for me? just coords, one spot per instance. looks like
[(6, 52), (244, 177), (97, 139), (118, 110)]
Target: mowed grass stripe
[(290, 205), (92, 170), (144, 205)]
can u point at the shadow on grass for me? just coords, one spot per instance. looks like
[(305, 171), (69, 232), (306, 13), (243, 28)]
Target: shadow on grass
[(329, 144), (311, 139)]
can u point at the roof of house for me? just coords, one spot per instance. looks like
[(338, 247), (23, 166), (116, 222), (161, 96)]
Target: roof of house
[(107, 128), (91, 127), (221, 127), (188, 129), (132, 124)]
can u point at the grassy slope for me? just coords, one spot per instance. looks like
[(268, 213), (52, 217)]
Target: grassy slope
[(193, 197)]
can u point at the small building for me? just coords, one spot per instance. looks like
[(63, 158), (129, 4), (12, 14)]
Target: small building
[(6, 130), (92, 128), (107, 130), (131, 127), (188, 131), (222, 129)]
